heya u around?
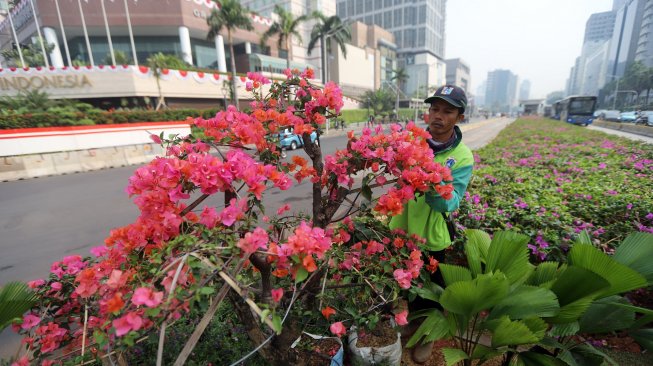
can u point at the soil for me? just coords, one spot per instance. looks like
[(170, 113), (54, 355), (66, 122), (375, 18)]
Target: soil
[(316, 351), (382, 335)]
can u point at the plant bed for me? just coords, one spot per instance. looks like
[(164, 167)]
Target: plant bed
[(317, 350), (380, 345)]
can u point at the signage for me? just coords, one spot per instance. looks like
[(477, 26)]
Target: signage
[(22, 83)]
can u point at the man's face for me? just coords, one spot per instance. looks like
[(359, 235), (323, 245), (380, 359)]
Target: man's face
[(442, 118)]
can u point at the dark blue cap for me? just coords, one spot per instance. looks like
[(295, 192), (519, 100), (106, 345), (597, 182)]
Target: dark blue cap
[(451, 94)]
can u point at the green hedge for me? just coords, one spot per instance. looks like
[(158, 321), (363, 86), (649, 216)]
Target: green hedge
[(65, 118), (360, 115)]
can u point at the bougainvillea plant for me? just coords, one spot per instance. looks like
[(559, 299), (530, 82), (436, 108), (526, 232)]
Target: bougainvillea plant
[(280, 271)]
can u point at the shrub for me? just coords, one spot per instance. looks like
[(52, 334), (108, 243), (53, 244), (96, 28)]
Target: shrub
[(551, 180)]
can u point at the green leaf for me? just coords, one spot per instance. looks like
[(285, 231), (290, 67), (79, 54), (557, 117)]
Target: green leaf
[(545, 272), (636, 252), (567, 288), (605, 316), (538, 359), (301, 275), (433, 327), (484, 353), (644, 337), (586, 355), (508, 253), (264, 314), (476, 248), (525, 302), (207, 290), (620, 277), (366, 192), (571, 312), (506, 332), (15, 299), (454, 355), (276, 322), (470, 297), (152, 312), (564, 329), (453, 274)]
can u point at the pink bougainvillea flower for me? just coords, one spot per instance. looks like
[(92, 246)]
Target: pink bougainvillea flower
[(30, 321), (277, 294), (127, 323), (253, 241), (99, 250), (23, 361), (155, 138), (403, 277), (338, 329), (283, 209), (145, 296), (402, 318), (328, 311), (36, 283)]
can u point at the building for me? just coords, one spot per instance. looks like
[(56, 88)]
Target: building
[(458, 73), (524, 90), (370, 62), (501, 91), (625, 37), (589, 72), (176, 27), (419, 32), (297, 8), (644, 52)]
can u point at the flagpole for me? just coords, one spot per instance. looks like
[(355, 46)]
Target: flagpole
[(131, 34), (63, 34), (38, 30), (13, 31), (88, 43), (106, 25)]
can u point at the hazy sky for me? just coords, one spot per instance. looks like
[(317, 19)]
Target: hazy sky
[(538, 40)]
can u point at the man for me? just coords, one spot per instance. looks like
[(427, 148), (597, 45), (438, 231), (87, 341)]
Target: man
[(425, 216)]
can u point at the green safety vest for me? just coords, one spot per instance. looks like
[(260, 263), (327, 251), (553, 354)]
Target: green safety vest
[(423, 215)]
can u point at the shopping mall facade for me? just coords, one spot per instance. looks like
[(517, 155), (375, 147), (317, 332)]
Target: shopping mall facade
[(175, 27)]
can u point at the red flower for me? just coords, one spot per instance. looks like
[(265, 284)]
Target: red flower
[(328, 311), (338, 329)]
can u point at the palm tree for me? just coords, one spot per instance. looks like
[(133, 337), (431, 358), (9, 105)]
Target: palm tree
[(331, 27), (400, 78), (231, 16), (286, 28)]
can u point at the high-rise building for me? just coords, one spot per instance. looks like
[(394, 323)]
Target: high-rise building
[(501, 91), (525, 90), (644, 52), (589, 72), (418, 27), (625, 36), (458, 74)]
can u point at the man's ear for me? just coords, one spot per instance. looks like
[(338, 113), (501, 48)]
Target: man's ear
[(461, 117)]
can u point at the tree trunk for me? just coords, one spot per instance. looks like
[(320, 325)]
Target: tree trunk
[(324, 59), (161, 102), (233, 69), (289, 48)]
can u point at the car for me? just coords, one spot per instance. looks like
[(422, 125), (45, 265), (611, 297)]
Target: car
[(645, 118), (610, 115), (629, 117), (290, 140)]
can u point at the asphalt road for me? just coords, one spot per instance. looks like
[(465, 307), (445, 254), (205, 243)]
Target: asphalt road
[(45, 219)]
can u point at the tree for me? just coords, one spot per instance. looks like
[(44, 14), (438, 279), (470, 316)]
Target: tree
[(230, 16), (554, 96), (285, 28), (331, 27), (635, 78), (400, 77), (378, 100), (121, 58), (32, 55), (157, 63)]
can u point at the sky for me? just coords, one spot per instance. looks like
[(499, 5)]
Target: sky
[(538, 40)]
